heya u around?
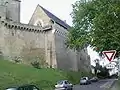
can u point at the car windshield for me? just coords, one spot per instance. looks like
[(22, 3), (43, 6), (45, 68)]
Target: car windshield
[(60, 82), (83, 78)]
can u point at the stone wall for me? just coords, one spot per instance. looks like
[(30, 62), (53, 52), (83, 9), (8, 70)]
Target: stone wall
[(66, 58), (23, 41), (40, 16), (83, 60), (29, 43), (13, 10), (3, 11), (50, 49)]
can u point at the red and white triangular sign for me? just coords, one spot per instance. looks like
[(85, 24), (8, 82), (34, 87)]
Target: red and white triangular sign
[(109, 54)]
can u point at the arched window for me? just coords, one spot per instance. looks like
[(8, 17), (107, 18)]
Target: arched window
[(39, 23)]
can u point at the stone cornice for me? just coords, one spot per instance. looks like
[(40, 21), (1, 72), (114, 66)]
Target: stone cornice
[(27, 27)]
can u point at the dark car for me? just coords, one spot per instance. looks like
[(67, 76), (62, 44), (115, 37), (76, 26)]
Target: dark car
[(24, 87), (94, 79), (63, 85)]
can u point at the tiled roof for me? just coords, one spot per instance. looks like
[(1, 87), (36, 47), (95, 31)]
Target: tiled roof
[(56, 19)]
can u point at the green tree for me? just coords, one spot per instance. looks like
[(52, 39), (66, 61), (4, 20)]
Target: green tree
[(95, 23), (104, 72)]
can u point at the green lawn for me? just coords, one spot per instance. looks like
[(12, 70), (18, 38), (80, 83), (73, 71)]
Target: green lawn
[(12, 74)]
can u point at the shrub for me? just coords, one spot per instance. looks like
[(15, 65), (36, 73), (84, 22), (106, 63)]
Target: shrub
[(38, 62), (35, 64), (16, 59)]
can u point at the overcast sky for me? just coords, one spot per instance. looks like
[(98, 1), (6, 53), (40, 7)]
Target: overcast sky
[(60, 8)]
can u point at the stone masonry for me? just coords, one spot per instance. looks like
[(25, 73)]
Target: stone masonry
[(43, 38), (24, 41)]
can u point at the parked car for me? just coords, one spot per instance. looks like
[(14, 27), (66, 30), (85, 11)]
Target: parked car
[(24, 87), (63, 85), (94, 79), (85, 81)]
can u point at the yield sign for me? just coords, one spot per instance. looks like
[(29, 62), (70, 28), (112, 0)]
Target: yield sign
[(109, 54)]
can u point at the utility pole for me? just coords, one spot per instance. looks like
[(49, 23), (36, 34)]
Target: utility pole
[(97, 66)]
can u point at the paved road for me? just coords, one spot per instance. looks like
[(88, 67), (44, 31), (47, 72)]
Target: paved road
[(100, 85)]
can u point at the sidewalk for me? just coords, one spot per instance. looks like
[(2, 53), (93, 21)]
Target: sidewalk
[(109, 84), (115, 87)]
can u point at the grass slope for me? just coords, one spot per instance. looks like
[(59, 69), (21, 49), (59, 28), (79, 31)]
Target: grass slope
[(12, 74)]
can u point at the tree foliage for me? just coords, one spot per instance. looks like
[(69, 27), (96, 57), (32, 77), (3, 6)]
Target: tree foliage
[(100, 71), (104, 73), (95, 23)]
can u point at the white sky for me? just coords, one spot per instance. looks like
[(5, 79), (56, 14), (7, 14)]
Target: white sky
[(60, 8)]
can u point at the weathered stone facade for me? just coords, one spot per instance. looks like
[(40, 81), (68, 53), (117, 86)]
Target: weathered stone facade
[(24, 41), (43, 38)]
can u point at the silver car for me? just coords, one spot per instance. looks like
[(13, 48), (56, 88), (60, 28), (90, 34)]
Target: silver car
[(24, 87), (94, 79), (63, 85), (85, 81)]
